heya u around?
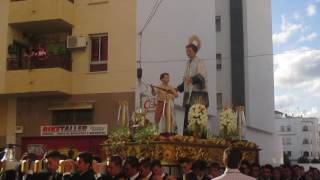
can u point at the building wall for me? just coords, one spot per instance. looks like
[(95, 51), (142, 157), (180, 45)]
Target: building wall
[(35, 10), (270, 145), (259, 86), (258, 73), (36, 89), (4, 13), (33, 112), (223, 47), (3, 121), (290, 130), (118, 20), (165, 38)]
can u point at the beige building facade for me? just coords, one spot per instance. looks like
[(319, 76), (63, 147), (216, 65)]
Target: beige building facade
[(88, 68)]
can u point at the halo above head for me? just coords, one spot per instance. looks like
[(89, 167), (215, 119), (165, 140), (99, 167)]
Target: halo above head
[(195, 40)]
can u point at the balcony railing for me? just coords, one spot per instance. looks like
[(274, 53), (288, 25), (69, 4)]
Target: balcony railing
[(51, 61)]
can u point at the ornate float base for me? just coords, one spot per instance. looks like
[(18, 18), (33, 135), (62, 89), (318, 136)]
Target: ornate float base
[(170, 149)]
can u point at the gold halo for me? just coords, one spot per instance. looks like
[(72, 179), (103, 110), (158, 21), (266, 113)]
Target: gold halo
[(195, 40)]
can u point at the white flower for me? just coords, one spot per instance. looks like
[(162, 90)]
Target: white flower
[(228, 122), (197, 115)]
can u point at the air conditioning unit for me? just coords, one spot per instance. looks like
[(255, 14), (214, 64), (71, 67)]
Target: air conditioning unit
[(76, 42)]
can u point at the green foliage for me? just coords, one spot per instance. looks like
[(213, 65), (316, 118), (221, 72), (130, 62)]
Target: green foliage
[(56, 49), (202, 133), (119, 137), (146, 133)]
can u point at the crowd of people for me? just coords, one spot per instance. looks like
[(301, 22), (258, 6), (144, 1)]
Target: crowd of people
[(88, 167)]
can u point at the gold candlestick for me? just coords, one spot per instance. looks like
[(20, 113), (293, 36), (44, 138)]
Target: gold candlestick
[(123, 113), (240, 120), (169, 114)]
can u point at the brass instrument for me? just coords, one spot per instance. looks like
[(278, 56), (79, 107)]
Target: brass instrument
[(37, 166), (9, 161), (24, 166), (61, 168)]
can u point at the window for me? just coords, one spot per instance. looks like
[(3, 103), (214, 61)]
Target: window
[(219, 61), (219, 101), (288, 141), (74, 116), (305, 141), (218, 23), (282, 129), (288, 128), (99, 53), (305, 128), (288, 153)]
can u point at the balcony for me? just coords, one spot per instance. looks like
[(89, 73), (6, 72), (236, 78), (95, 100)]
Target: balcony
[(50, 76), (52, 61), (42, 16)]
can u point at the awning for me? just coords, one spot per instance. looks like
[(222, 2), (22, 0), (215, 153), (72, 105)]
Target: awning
[(71, 106)]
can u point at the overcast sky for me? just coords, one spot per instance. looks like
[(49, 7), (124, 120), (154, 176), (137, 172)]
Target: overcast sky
[(296, 44)]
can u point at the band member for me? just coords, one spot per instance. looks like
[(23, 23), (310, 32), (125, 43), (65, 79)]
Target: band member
[(186, 169), (132, 168), (194, 83), (145, 169), (157, 170), (163, 92), (84, 168), (115, 169)]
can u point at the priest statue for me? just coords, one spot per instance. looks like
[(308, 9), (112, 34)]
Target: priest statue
[(194, 83)]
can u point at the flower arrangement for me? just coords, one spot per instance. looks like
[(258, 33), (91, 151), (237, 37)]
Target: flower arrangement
[(198, 118), (138, 119), (228, 123), (145, 134), (119, 137)]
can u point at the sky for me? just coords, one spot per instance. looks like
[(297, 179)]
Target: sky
[(296, 46)]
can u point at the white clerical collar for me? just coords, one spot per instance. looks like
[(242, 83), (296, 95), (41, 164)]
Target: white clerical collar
[(229, 170), (149, 175), (134, 177), (185, 174), (200, 177), (163, 175), (188, 172)]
